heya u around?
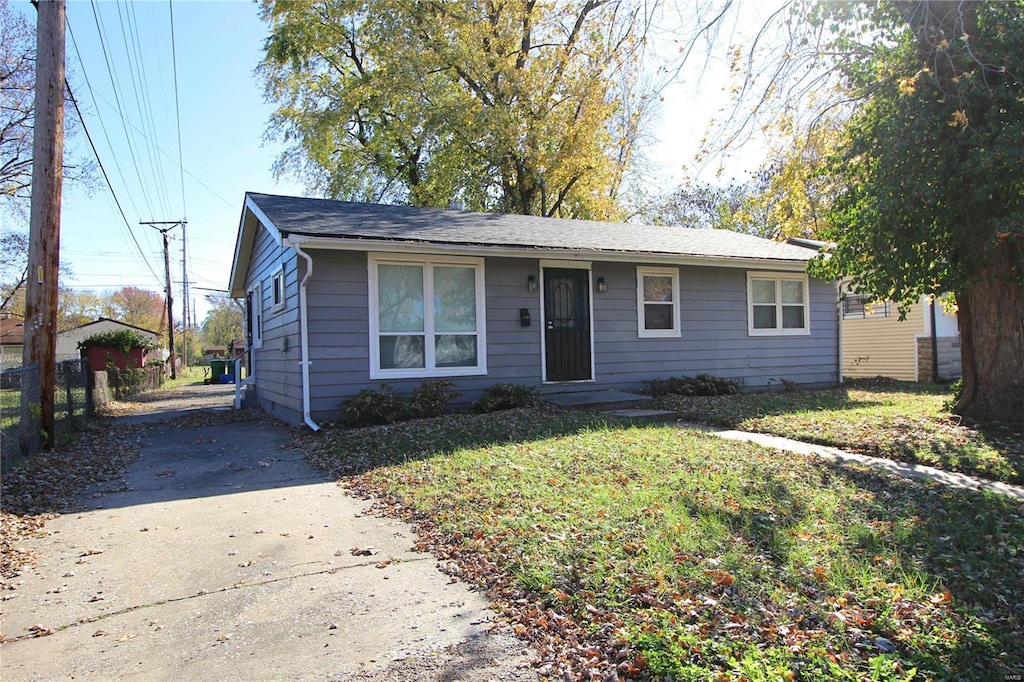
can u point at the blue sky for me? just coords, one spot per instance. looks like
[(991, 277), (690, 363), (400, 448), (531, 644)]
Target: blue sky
[(223, 151)]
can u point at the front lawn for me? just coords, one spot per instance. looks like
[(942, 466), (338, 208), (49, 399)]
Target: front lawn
[(653, 551), (897, 420)]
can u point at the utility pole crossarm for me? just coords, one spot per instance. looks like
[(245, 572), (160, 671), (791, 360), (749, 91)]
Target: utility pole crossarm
[(167, 273)]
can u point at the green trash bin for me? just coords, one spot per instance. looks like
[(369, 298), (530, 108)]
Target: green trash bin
[(218, 368)]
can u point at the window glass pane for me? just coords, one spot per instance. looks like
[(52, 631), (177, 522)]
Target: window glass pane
[(455, 350), (792, 291), (657, 316), (454, 299), (562, 308), (400, 298), (764, 317), (657, 288), (764, 290), (792, 317), (401, 351)]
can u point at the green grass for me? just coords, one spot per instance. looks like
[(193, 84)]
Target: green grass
[(895, 420), (187, 376), (657, 551)]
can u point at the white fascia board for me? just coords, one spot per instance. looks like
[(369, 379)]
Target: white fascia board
[(384, 245), (249, 208)]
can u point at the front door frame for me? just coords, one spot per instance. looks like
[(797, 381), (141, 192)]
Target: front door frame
[(566, 265)]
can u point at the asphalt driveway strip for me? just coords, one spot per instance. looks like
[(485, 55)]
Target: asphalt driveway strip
[(222, 555)]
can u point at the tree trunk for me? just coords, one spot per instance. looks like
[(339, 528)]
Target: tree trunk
[(991, 319)]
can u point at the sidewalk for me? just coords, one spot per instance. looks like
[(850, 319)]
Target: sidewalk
[(223, 555), (880, 463)]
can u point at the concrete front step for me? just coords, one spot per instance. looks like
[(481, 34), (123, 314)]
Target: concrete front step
[(597, 399)]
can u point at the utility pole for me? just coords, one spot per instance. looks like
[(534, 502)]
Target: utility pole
[(184, 298), (167, 273), (44, 226)]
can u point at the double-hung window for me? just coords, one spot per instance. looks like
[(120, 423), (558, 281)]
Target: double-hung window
[(777, 304), (657, 301), (426, 317)]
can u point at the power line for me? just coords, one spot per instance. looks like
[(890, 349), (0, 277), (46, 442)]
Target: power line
[(177, 109), (117, 98), (136, 71), (103, 127), (106, 177)]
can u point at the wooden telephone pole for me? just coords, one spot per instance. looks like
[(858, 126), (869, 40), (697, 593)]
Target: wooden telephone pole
[(44, 227), (167, 273)]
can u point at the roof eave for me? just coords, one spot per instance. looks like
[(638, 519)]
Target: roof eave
[(252, 217), (346, 243)]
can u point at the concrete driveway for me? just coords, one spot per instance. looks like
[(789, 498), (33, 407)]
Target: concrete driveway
[(224, 556)]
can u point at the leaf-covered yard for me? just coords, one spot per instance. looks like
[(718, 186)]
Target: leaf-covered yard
[(897, 420), (651, 551)]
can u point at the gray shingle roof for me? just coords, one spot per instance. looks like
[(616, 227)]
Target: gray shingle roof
[(342, 219)]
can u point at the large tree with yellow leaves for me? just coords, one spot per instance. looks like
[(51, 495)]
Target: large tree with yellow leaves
[(516, 106)]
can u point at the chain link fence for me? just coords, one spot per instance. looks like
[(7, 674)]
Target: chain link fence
[(20, 415)]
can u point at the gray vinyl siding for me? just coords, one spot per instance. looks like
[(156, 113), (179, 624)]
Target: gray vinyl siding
[(713, 333), (713, 317), (276, 364)]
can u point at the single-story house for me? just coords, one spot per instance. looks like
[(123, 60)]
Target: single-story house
[(875, 342), (12, 339), (345, 296), (67, 341), (214, 352)]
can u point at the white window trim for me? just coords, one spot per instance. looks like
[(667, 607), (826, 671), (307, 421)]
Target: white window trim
[(257, 314), (641, 330), (375, 259), (778, 277), (278, 276)]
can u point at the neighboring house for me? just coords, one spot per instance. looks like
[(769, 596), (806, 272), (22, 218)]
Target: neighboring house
[(876, 343), (236, 348), (12, 337), (67, 342), (215, 353), (344, 296)]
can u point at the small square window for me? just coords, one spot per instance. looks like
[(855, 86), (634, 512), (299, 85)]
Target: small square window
[(657, 300)]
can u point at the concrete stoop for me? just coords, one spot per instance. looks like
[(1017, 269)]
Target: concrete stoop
[(596, 399)]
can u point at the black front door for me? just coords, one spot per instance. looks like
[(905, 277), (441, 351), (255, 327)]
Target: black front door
[(567, 324)]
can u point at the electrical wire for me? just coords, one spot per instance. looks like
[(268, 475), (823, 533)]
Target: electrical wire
[(106, 177), (117, 98), (177, 109)]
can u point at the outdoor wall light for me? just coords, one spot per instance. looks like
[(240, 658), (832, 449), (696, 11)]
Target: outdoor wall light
[(602, 284), (531, 283)]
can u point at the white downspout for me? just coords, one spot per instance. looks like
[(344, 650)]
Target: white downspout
[(304, 332), (839, 329)]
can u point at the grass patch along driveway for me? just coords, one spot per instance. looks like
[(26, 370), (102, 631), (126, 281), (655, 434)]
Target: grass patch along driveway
[(652, 551), (896, 420)]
